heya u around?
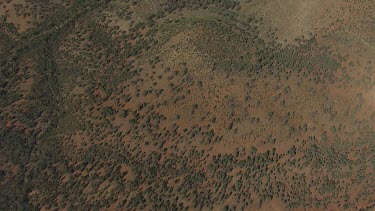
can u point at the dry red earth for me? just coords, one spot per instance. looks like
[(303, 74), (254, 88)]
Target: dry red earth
[(127, 105)]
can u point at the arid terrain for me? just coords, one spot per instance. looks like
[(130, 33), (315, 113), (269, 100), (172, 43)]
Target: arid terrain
[(187, 105)]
